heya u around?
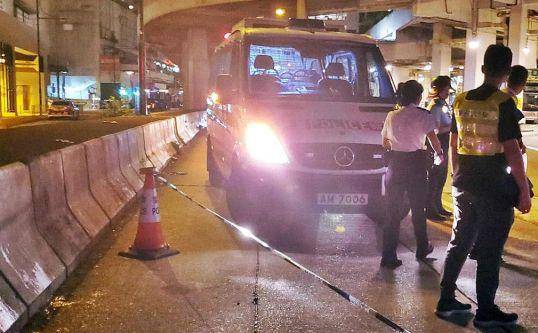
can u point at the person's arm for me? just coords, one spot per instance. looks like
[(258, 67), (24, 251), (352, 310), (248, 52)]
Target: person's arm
[(429, 127), (436, 110), (434, 142), (454, 150), (386, 144), (509, 135), (454, 144), (514, 157), (384, 135)]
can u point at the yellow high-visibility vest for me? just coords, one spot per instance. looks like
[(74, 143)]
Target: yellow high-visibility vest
[(478, 124)]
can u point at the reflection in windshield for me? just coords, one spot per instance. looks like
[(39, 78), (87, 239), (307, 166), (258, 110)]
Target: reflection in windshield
[(320, 70)]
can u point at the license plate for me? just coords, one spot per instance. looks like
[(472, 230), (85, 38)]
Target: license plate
[(342, 199)]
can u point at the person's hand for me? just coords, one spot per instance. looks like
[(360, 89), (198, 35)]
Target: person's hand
[(439, 159), (524, 203)]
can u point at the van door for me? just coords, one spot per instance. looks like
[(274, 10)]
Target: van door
[(223, 123)]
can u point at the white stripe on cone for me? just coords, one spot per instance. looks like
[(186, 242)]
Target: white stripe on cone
[(149, 213)]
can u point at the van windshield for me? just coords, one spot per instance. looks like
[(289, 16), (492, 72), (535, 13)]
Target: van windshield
[(317, 69)]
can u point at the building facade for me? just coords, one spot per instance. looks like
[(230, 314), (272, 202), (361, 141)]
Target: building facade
[(22, 70), (95, 49)]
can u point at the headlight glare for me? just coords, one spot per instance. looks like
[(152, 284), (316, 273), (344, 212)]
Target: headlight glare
[(263, 145)]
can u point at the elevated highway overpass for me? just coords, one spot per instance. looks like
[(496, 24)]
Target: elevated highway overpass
[(187, 31)]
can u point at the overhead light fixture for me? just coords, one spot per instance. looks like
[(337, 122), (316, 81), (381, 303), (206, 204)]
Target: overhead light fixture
[(474, 43), (280, 12), (131, 7), (526, 49), (428, 67)]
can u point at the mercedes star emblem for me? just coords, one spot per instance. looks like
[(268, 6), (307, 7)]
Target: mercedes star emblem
[(344, 156)]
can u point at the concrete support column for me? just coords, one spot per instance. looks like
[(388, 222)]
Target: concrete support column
[(441, 50), (522, 46), (352, 22), (301, 9), (474, 58), (195, 69)]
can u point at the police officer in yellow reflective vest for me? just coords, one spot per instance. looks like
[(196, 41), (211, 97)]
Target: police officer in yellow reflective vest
[(489, 181)]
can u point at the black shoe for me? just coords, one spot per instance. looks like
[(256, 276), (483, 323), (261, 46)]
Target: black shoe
[(436, 217), (494, 317), (451, 306), (424, 253), (390, 263), (473, 255), (445, 212)]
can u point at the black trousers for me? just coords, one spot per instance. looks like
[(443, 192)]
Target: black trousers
[(437, 175), (487, 222), (406, 174)]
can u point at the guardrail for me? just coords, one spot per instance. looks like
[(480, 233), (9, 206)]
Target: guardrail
[(54, 210)]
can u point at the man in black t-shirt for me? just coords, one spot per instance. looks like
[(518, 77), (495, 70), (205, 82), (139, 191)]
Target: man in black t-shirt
[(489, 180)]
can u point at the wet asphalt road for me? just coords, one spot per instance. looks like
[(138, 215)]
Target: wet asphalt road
[(221, 282)]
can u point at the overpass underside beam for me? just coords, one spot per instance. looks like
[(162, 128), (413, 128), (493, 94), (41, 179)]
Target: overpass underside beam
[(331, 6)]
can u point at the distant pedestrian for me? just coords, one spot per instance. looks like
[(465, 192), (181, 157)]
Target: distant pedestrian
[(516, 84), (484, 143), (437, 173), (404, 134)]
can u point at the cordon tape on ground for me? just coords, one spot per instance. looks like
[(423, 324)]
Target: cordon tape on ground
[(344, 294)]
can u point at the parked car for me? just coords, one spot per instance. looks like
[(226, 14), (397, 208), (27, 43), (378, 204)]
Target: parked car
[(63, 108)]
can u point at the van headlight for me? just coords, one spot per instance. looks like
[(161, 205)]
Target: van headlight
[(263, 145)]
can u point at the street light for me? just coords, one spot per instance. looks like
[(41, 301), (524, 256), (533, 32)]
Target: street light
[(280, 12)]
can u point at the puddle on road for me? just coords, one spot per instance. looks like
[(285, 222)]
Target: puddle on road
[(347, 234)]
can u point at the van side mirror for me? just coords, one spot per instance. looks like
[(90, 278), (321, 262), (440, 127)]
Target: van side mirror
[(225, 88)]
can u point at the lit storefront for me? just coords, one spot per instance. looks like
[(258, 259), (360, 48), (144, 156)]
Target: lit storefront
[(7, 97), (20, 77), (27, 80)]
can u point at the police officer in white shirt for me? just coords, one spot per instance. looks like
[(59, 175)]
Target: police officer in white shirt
[(404, 134)]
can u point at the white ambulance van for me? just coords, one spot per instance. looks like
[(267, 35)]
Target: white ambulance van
[(294, 122)]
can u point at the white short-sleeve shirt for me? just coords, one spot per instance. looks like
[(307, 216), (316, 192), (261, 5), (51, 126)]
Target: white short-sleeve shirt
[(407, 127)]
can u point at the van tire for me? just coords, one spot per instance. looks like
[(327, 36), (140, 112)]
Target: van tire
[(215, 177), (241, 207)]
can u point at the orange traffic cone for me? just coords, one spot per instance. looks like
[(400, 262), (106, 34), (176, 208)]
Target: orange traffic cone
[(149, 243)]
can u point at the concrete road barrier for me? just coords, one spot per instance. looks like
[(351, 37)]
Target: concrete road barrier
[(77, 188), (112, 161), (150, 143), (128, 171), (13, 312), (193, 119), (137, 151), (102, 190), (181, 126), (54, 219), (162, 146), (171, 143), (26, 261)]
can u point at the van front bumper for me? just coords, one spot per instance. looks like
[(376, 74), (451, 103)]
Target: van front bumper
[(288, 188)]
